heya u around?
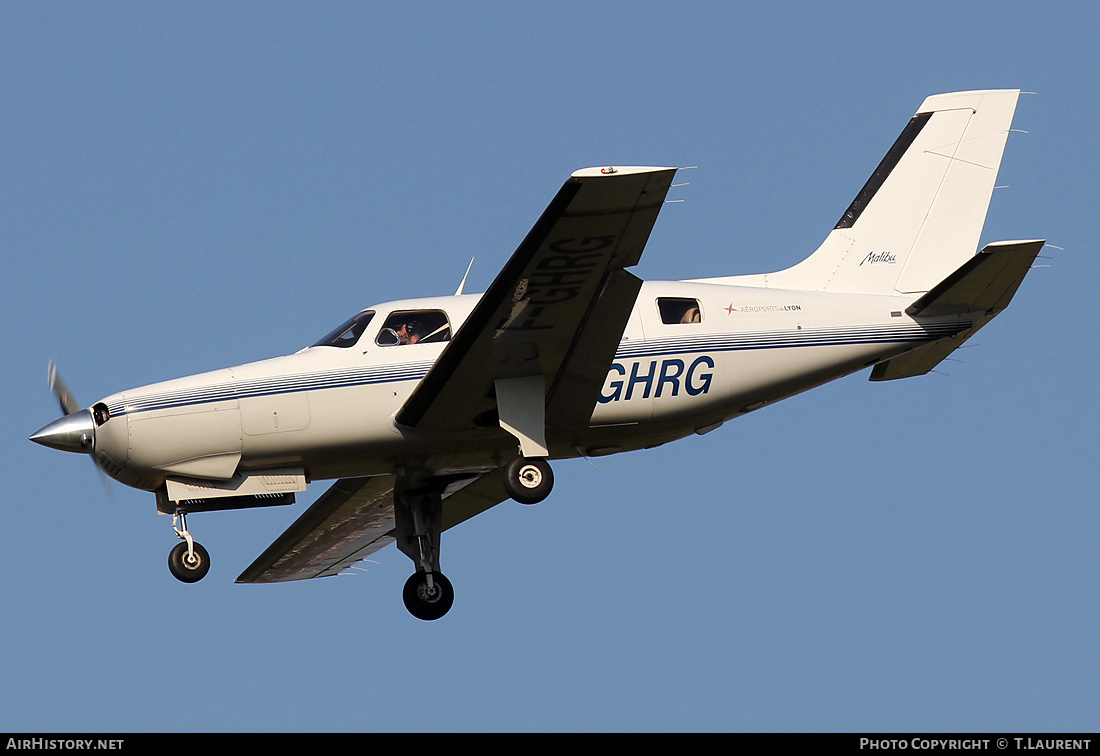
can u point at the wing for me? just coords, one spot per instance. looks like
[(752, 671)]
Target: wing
[(353, 519), (545, 331), (553, 317)]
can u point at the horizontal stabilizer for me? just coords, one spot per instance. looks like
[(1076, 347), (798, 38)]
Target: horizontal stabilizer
[(919, 361), (983, 285)]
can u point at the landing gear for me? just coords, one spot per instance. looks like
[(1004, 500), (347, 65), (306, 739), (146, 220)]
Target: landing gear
[(418, 520), (418, 523), (528, 481), (188, 561), (428, 595), (188, 565)]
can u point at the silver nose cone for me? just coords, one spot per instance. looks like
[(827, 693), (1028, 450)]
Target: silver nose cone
[(75, 433)]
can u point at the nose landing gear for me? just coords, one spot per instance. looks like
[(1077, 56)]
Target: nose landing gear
[(188, 561)]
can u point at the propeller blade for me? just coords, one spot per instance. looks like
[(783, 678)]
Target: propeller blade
[(75, 431), (71, 434), (69, 405), (106, 481)]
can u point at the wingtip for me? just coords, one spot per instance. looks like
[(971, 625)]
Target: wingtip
[(618, 170)]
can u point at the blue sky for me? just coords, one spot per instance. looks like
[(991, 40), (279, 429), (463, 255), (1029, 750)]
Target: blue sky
[(191, 186)]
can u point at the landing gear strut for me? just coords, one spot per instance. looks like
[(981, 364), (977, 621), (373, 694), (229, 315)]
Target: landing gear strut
[(418, 523), (418, 515), (527, 480), (188, 561)]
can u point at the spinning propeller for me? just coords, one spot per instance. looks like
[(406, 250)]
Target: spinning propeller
[(75, 430)]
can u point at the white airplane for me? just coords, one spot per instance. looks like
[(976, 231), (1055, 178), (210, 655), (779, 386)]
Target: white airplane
[(427, 412)]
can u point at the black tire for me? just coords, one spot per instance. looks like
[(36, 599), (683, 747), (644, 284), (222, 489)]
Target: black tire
[(424, 604), (528, 481), (188, 571)]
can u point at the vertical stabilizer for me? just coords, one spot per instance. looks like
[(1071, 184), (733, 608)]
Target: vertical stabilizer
[(920, 215)]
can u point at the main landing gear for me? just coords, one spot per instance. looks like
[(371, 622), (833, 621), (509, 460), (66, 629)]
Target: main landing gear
[(428, 595), (418, 520), (188, 561), (528, 480)]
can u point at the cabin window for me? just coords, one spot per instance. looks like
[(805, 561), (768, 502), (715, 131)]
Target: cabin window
[(347, 333), (415, 327), (679, 310)]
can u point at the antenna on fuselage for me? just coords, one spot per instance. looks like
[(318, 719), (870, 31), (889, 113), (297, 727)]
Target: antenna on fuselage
[(462, 285)]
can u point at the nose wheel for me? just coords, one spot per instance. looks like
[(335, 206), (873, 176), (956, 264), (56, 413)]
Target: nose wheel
[(187, 561), (188, 565)]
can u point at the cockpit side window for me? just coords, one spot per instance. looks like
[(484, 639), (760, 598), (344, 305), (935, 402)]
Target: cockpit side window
[(679, 310), (347, 333), (414, 327)]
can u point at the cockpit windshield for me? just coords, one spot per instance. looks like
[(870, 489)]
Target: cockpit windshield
[(347, 333)]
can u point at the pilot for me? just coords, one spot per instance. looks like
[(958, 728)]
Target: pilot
[(409, 332)]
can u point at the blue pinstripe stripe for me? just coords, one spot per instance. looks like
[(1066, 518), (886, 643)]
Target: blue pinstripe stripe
[(789, 339), (348, 377), (282, 384)]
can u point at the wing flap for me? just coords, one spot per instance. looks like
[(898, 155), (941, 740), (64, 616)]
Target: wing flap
[(355, 518), (351, 520), (574, 395)]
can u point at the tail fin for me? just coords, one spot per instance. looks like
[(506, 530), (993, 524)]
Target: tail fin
[(920, 215)]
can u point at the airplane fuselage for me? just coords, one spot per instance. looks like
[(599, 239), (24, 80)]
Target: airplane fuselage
[(329, 409)]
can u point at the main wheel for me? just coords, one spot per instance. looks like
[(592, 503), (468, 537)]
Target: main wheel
[(188, 569), (424, 603), (528, 481)]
